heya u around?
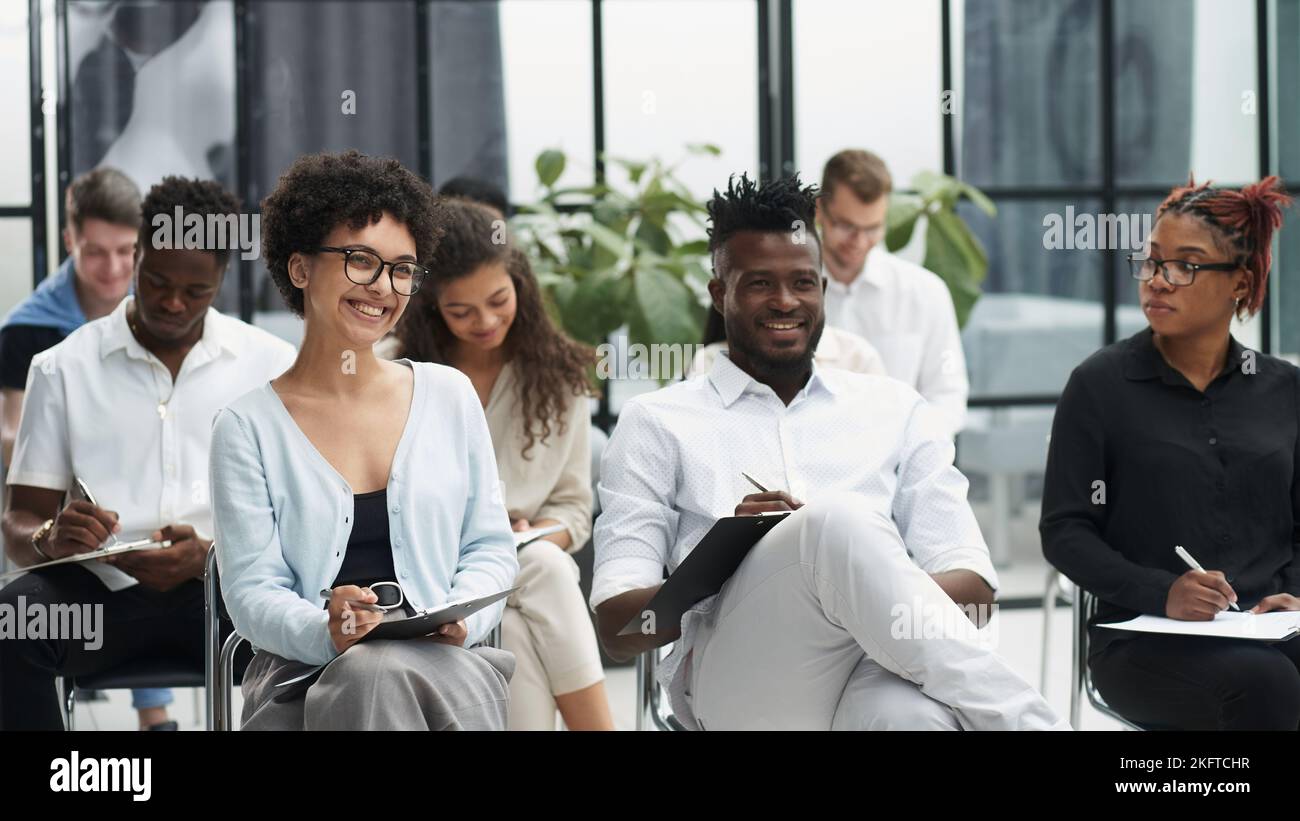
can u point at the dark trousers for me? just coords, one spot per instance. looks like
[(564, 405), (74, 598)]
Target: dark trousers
[(1196, 683), (137, 623)]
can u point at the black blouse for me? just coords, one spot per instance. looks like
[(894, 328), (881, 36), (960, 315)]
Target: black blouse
[(1141, 461), (369, 556)]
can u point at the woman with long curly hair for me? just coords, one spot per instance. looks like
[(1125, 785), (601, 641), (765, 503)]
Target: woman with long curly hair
[(483, 314)]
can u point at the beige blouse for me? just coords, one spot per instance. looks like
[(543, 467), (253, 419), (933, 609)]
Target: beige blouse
[(554, 482)]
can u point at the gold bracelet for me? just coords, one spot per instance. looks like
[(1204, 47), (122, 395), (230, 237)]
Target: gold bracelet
[(41, 532)]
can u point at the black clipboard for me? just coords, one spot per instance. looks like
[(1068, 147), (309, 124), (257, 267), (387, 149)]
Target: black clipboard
[(427, 622), (706, 568)]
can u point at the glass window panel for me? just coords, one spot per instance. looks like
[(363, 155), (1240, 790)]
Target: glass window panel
[(15, 101), (302, 58), (468, 100), (1041, 312), (546, 46), (1003, 452), (1030, 94), (681, 72), (16, 267), (1286, 98), (153, 89), (868, 75), (1185, 86), (1284, 281)]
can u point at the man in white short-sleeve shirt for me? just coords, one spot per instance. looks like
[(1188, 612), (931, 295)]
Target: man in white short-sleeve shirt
[(902, 309), (847, 614), (125, 404)]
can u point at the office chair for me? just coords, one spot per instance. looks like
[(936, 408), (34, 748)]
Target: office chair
[(1085, 606), (651, 702)]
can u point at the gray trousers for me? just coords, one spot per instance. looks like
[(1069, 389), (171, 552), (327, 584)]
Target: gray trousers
[(385, 685)]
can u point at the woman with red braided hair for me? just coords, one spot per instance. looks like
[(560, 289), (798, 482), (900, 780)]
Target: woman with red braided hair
[(1181, 436)]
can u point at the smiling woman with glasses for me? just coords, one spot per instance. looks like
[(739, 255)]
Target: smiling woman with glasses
[(353, 489), (1180, 436)]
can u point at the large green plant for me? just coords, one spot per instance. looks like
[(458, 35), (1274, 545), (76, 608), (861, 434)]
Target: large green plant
[(610, 256), (951, 250)]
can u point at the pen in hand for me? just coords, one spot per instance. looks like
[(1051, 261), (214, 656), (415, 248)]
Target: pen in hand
[(1195, 565), (750, 479), (353, 603)]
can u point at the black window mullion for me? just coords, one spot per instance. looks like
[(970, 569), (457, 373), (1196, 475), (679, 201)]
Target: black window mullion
[(37, 129), (1265, 144), (1110, 289)]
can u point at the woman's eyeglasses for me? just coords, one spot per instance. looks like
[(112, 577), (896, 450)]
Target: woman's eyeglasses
[(1177, 272), (389, 596), (364, 267)]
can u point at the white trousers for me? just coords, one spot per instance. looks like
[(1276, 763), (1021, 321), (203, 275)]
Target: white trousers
[(803, 636), (547, 626)]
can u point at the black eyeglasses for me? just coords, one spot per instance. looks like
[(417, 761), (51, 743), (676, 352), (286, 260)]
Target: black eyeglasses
[(364, 267), (1177, 272)]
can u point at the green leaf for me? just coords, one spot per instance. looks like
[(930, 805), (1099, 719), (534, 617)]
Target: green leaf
[(605, 238), (952, 253), (634, 169), (654, 236), (696, 247), (900, 220), (704, 148), (980, 199), (932, 186), (595, 307), (550, 165), (666, 310)]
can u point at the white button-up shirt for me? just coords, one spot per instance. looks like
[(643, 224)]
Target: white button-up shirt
[(838, 348), (673, 465), (906, 313), (100, 407)]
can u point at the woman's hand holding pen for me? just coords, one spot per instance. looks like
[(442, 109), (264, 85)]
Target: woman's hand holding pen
[(1199, 596), (80, 528), (347, 623)]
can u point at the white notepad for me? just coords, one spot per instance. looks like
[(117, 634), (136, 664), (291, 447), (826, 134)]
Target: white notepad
[(1276, 626), (524, 537)]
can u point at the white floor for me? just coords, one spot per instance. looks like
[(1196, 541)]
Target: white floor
[(1020, 640)]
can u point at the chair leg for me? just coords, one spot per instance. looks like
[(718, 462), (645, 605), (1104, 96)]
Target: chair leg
[(641, 678), (211, 639), (1049, 606), (69, 699), (1079, 651), (225, 683)]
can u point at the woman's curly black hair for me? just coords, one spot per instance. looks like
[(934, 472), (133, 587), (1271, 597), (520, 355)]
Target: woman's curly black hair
[(550, 368), (319, 192)]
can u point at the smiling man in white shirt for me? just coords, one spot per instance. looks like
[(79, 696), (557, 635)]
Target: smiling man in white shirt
[(125, 403), (806, 633), (901, 308)]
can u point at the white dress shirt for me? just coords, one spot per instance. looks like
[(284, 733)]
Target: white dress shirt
[(906, 312), (100, 407), (673, 465), (838, 348)]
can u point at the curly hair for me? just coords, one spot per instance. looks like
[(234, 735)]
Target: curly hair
[(779, 205), (319, 192), (551, 368), (1244, 220), (203, 197)]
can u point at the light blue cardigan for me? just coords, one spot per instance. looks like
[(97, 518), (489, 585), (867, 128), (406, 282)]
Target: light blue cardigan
[(283, 514)]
